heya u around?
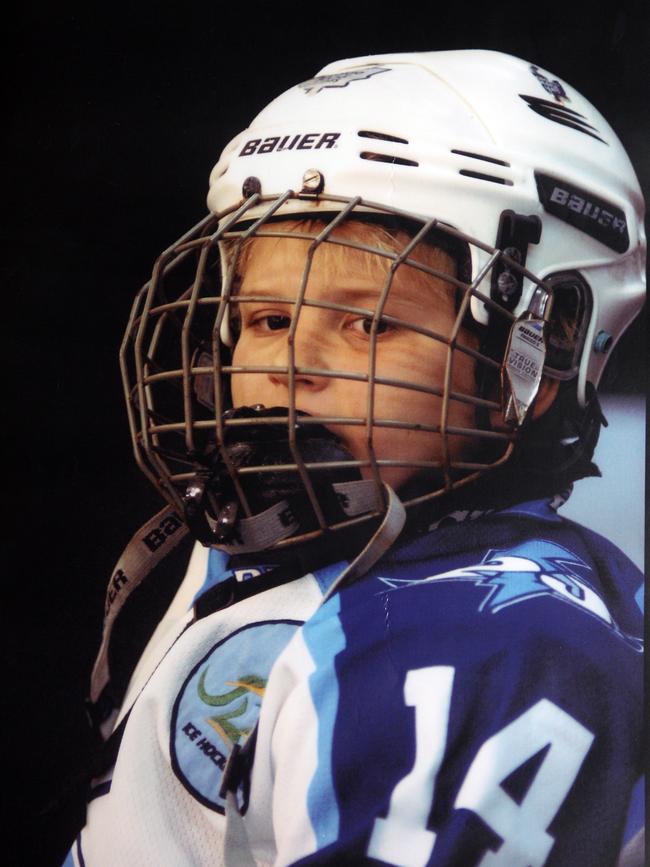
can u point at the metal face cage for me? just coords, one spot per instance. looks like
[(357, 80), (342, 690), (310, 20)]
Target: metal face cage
[(177, 363)]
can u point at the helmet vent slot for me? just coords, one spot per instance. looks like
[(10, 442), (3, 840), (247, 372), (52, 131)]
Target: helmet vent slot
[(481, 157), (382, 136), (385, 158), (483, 177)]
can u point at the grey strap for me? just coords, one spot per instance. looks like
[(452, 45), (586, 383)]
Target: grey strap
[(236, 845), (147, 548), (359, 497), (380, 542), (278, 522)]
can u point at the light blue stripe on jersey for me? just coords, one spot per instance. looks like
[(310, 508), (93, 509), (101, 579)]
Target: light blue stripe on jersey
[(326, 576), (324, 638), (70, 860), (216, 571), (638, 596), (635, 812)]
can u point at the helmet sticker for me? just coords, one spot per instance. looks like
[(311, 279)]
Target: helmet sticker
[(579, 208), (341, 79), (561, 114), (550, 86)]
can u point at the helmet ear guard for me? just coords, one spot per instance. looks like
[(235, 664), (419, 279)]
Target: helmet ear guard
[(569, 321), (548, 337), (560, 442)]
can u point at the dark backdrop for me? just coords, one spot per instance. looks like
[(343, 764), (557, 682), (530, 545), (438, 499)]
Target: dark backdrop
[(115, 118)]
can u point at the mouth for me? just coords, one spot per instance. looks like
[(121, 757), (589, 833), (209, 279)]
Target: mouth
[(258, 437)]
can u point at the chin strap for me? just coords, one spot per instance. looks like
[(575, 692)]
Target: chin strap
[(279, 521), (237, 848), (389, 529)]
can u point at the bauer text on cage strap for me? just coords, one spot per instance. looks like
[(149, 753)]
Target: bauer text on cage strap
[(153, 541)]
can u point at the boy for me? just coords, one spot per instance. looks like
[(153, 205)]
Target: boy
[(365, 384)]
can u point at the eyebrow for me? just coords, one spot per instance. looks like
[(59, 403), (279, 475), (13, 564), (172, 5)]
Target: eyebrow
[(353, 299), (349, 292), (350, 286), (367, 287)]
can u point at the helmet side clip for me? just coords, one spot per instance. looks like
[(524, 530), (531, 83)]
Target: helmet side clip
[(515, 233), (523, 361)]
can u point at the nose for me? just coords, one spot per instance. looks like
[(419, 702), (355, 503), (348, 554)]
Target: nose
[(310, 351)]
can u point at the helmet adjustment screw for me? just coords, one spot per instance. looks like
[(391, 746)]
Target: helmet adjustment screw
[(251, 186), (507, 284), (513, 253), (313, 182), (603, 342)]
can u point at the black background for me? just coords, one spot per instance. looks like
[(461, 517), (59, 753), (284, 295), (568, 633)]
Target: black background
[(115, 117)]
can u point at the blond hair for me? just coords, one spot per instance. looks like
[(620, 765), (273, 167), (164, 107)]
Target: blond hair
[(341, 256)]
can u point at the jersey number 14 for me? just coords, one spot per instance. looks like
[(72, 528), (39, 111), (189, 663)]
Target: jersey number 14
[(403, 839)]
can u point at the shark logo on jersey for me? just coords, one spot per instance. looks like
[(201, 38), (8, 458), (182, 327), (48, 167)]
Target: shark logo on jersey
[(529, 571)]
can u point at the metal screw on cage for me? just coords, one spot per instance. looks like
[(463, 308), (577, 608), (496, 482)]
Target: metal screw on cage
[(313, 182), (250, 187)]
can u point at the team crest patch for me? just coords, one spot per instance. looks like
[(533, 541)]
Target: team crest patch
[(529, 571), (219, 704), (341, 79)]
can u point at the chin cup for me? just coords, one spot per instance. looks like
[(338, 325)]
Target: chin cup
[(249, 494)]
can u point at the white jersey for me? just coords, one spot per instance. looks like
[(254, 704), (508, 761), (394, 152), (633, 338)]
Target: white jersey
[(160, 803)]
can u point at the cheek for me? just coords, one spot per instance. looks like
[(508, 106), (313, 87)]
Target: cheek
[(398, 405), (245, 388)]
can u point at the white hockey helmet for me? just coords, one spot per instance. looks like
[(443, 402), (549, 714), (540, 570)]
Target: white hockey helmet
[(507, 160)]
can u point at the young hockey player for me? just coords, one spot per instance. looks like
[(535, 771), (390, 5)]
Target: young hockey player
[(365, 383)]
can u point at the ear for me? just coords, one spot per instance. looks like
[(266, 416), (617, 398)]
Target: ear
[(548, 389)]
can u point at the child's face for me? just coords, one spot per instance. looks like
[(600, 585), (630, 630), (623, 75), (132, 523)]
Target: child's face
[(336, 340)]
